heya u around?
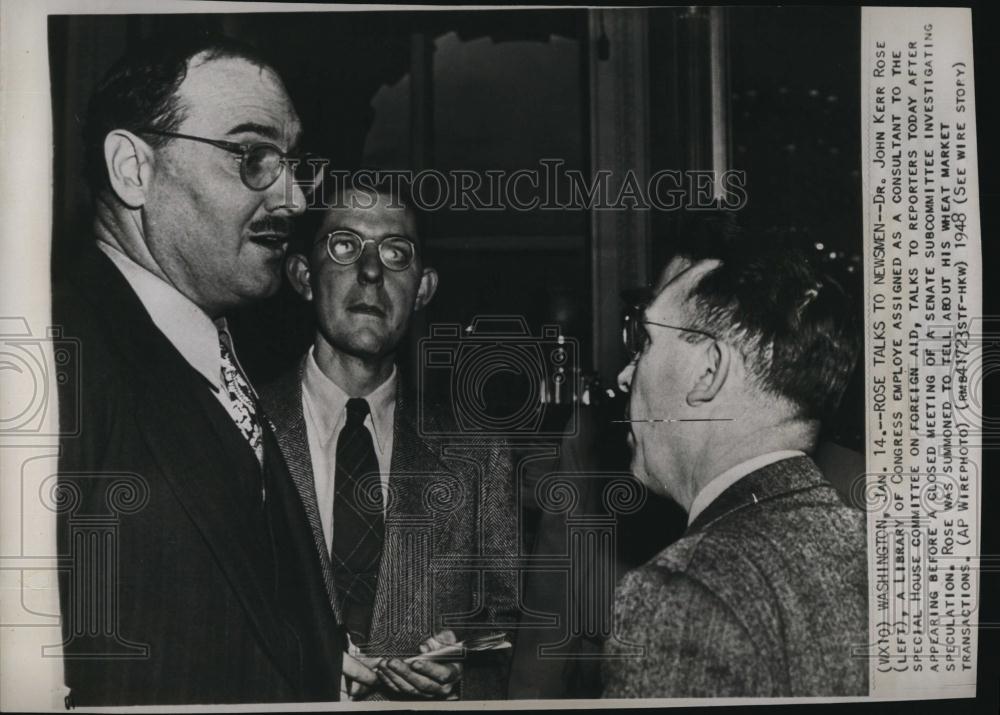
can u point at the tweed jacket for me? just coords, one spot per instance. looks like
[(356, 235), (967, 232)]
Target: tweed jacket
[(764, 595), (449, 555), (205, 596)]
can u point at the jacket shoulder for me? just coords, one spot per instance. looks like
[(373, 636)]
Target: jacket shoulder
[(808, 517), (693, 643), (281, 398)]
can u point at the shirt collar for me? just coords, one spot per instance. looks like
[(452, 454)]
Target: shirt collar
[(711, 491), (185, 325), (330, 401)]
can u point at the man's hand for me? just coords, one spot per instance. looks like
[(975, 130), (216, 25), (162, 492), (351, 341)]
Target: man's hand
[(360, 674), (423, 678)]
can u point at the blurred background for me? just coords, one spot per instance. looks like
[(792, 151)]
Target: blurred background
[(771, 92)]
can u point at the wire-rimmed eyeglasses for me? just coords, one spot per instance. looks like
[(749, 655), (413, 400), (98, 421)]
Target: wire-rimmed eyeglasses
[(395, 252), (635, 337), (261, 163)]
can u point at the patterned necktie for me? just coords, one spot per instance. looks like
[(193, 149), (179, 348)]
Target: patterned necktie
[(242, 406), (358, 523)]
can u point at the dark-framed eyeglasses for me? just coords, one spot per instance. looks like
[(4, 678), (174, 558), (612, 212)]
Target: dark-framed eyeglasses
[(261, 163), (395, 252), (635, 336)]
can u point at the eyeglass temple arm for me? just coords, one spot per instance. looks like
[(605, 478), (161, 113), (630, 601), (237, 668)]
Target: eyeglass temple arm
[(221, 144)]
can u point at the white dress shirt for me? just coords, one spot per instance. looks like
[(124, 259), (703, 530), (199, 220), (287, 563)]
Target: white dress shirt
[(711, 491), (324, 406), (185, 325)]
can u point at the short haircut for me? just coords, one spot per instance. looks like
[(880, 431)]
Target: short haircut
[(797, 329), (140, 91)]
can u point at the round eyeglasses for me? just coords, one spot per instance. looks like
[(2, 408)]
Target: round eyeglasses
[(395, 252), (261, 163)]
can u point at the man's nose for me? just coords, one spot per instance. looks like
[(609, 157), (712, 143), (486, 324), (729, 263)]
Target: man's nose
[(285, 196), (625, 377), (369, 265)]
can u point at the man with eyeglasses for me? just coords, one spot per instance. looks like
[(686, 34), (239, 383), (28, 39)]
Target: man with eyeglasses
[(737, 360), (393, 513), (189, 576)]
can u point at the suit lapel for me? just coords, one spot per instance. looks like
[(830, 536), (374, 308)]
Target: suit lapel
[(200, 463), (202, 479), (416, 463), (283, 404), (772, 481), (415, 467)]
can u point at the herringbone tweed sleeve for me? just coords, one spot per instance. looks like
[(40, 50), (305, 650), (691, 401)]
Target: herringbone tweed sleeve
[(700, 649), (499, 532), (486, 674), (765, 595)]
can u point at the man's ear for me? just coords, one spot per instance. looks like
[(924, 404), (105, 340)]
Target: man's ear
[(130, 162), (428, 286), (715, 361), (297, 270)]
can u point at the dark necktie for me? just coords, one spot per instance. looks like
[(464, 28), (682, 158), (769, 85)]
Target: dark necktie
[(358, 523)]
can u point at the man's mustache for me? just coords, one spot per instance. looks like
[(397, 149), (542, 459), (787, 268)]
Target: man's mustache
[(281, 225)]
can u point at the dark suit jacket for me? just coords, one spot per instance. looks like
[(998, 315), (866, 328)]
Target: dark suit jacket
[(204, 594), (765, 595), (449, 507)]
